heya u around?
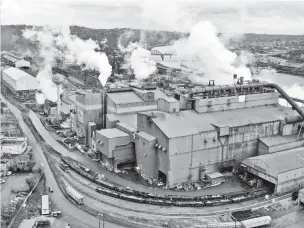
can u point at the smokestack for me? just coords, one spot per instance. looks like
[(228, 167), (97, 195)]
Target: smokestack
[(58, 100), (234, 81)]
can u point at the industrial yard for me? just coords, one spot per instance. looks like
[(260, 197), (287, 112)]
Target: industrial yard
[(189, 127)]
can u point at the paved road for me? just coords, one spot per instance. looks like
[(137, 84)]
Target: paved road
[(57, 196)]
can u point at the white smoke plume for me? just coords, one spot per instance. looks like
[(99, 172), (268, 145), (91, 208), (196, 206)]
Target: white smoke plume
[(58, 44), (40, 98), (46, 85), (203, 51), (139, 59)]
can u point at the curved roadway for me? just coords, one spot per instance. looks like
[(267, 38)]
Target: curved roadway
[(57, 196)]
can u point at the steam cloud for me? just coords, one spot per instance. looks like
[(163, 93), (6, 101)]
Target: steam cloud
[(57, 44), (204, 52), (139, 59)]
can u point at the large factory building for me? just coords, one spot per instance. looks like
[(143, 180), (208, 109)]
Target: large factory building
[(221, 129), (19, 83)]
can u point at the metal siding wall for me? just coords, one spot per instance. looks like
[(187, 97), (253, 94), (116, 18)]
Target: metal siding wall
[(106, 147), (179, 167), (146, 157)]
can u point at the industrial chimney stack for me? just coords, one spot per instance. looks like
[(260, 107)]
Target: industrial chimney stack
[(234, 81)]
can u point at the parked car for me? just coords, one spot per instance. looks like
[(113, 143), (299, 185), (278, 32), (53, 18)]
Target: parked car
[(51, 189), (9, 173), (68, 226), (2, 181)]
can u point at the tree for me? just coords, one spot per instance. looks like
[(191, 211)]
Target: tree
[(31, 182)]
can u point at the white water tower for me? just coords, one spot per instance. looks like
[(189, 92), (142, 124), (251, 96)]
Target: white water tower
[(58, 79)]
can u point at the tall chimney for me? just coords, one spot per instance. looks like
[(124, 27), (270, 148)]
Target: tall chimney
[(234, 81), (58, 99)]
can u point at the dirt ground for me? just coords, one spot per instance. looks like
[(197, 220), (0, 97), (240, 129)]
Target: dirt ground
[(285, 214), (231, 184)]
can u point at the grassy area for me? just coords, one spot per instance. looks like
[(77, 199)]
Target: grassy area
[(32, 206)]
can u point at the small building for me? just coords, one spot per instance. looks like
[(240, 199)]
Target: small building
[(19, 83), (215, 178), (277, 143), (115, 147), (284, 170), (13, 145)]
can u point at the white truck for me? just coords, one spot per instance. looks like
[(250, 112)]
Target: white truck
[(74, 194), (301, 197)]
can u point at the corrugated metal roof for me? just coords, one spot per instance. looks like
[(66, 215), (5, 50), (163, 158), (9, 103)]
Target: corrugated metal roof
[(112, 133), (16, 74), (11, 58), (146, 136), (190, 122), (124, 97), (19, 79), (130, 119), (278, 139), (279, 162), (126, 126)]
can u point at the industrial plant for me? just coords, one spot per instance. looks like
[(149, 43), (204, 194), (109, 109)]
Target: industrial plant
[(137, 134)]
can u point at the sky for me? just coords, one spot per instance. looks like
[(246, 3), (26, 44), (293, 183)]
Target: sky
[(267, 17)]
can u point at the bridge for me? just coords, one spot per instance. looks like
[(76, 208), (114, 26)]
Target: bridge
[(162, 55)]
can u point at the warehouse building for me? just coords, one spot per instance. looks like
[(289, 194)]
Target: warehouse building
[(13, 145), (21, 84), (218, 132), (285, 170), (15, 59)]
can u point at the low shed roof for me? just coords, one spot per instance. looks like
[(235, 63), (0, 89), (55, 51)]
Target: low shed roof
[(112, 133), (124, 97), (279, 139), (278, 162)]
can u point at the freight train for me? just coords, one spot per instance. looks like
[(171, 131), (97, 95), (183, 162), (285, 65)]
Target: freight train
[(74, 194), (162, 200)]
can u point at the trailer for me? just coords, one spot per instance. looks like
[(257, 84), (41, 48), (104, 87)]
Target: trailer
[(74, 195), (45, 205), (257, 222)]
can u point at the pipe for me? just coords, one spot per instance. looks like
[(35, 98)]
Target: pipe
[(295, 99), (293, 104)]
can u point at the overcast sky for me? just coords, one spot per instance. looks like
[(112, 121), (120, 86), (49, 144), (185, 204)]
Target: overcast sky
[(271, 17)]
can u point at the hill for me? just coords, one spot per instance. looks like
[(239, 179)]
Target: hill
[(11, 36)]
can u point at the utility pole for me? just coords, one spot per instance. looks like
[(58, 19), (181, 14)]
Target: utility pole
[(101, 215)]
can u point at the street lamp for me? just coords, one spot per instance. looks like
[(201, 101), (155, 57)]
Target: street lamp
[(101, 215)]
